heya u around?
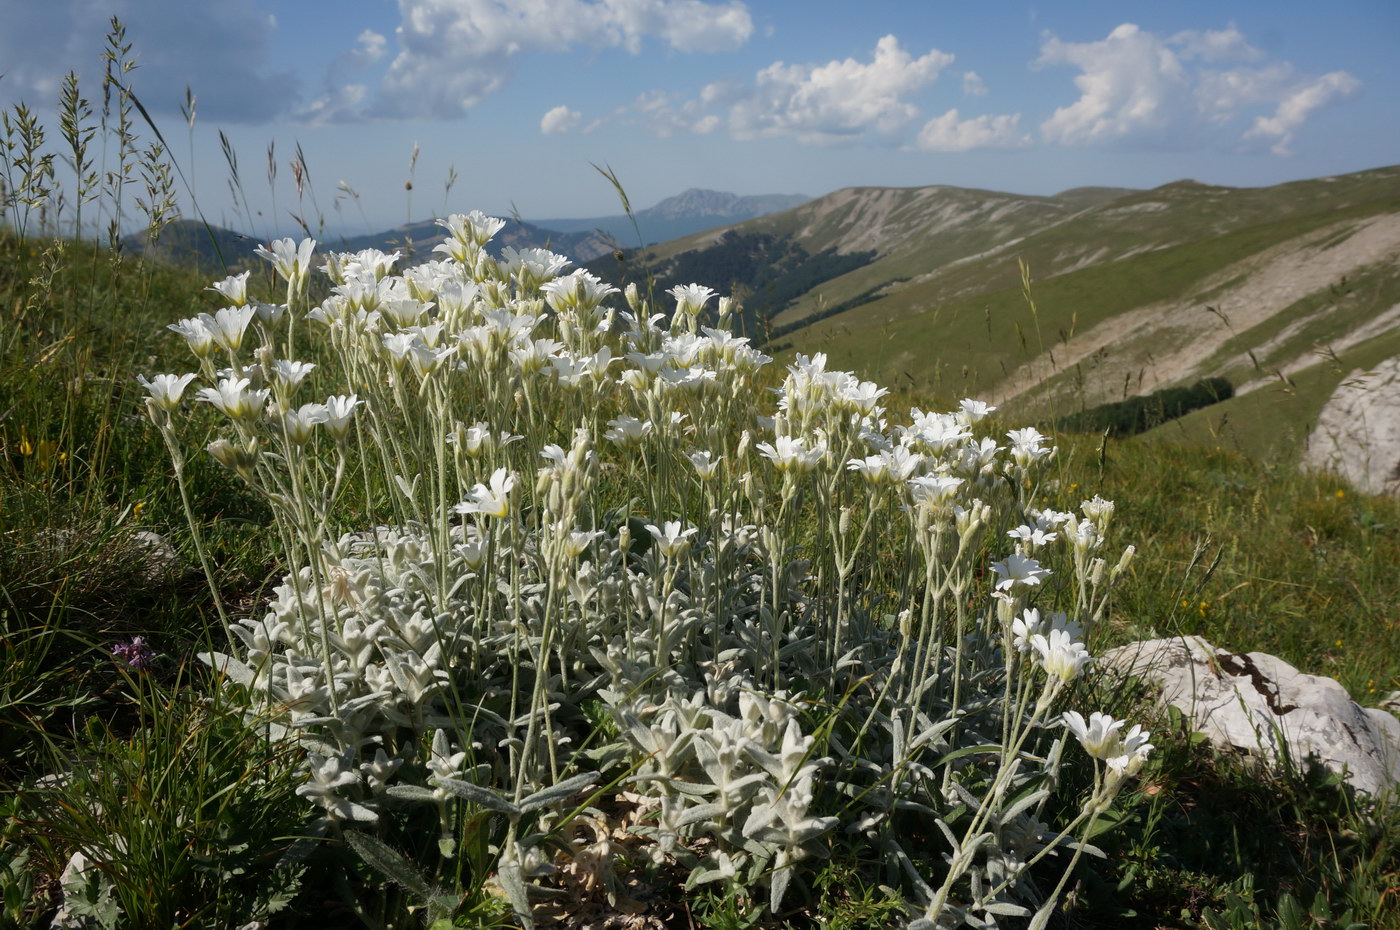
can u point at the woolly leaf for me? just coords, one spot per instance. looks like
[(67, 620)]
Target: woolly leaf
[(381, 857)]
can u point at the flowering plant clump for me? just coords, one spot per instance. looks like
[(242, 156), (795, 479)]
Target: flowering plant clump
[(555, 556)]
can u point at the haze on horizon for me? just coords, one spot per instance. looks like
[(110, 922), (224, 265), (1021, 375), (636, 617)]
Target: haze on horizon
[(521, 99)]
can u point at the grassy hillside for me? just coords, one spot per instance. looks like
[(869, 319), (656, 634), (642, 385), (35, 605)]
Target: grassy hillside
[(1130, 291), (1272, 423)]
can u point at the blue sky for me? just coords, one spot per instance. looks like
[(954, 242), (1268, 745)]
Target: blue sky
[(781, 97)]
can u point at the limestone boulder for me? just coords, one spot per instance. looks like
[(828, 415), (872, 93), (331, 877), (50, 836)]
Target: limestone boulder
[(1358, 432), (1261, 705)]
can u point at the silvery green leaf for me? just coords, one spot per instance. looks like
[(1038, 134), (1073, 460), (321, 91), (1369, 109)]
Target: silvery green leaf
[(1006, 909), (608, 755), (948, 833), (514, 886), (758, 820), (230, 666), (411, 793), (982, 749), (695, 789), (757, 849), (558, 792), (905, 804), (484, 797), (700, 812), (850, 658), (1029, 799), (356, 812), (306, 722), (388, 861), (405, 488), (700, 878), (1086, 847), (931, 733), (735, 786), (778, 887), (1042, 916), (524, 719), (796, 647)]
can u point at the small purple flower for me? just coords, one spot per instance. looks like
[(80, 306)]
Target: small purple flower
[(135, 655)]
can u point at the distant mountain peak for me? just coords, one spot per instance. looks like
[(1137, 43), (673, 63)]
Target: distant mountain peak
[(690, 211), (698, 202)]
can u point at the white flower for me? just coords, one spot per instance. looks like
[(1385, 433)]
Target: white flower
[(1018, 569), (404, 311), (576, 542), (1026, 445), (166, 390), (269, 313), (235, 458), (933, 491), (973, 411), (339, 409), (626, 431), (378, 772), (475, 228), (291, 373), (291, 260), (861, 396), (1098, 735), (705, 466), (671, 539), (1033, 536), (1134, 754), (198, 336), (327, 774), (579, 291), (1061, 656), (895, 464), (937, 431), (473, 438), (690, 298), (234, 399), (531, 267), (300, 423), (1082, 535), (492, 501), (1102, 738), (234, 288), (1030, 623), (791, 454)]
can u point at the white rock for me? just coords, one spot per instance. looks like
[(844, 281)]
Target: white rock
[(161, 559), (1358, 432), (1258, 703)]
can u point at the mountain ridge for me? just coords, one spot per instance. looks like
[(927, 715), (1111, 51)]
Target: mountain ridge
[(1134, 290), (693, 210)]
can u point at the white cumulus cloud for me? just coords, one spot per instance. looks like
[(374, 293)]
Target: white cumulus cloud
[(1297, 106), (559, 121), (371, 45), (453, 53), (951, 133), (1128, 83), (1140, 88), (973, 85), (837, 101)]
